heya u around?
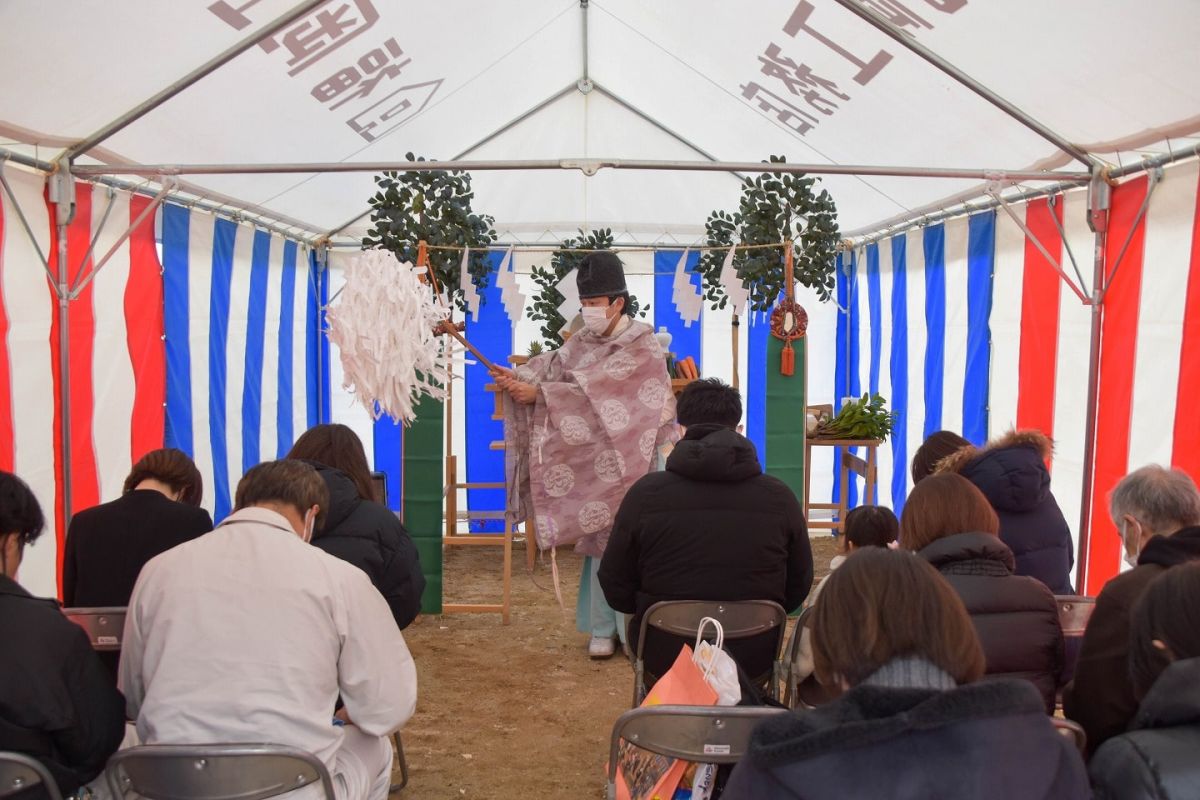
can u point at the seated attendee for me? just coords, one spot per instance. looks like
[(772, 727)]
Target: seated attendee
[(938, 445), (1011, 472), (357, 528), (248, 634), (1157, 757), (948, 522), (712, 526), (865, 526), (108, 544), (914, 721), (1157, 513), (57, 702)]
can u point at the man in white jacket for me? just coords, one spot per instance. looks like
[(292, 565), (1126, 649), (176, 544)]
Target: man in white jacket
[(249, 634)]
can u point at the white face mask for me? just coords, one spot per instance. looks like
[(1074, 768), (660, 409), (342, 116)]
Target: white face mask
[(595, 319), (1130, 559)]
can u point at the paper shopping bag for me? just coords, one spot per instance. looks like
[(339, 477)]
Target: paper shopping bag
[(642, 775)]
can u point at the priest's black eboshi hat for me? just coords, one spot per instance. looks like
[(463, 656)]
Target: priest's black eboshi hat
[(600, 275)]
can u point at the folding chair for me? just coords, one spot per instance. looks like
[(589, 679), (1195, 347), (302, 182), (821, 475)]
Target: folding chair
[(708, 734), (104, 626), (807, 693), (740, 619), (403, 764), (1071, 730), (19, 772), (1074, 611), (214, 772)]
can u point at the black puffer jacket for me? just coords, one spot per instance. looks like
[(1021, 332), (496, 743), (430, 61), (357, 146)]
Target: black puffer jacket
[(1011, 472), (1156, 760), (58, 704), (984, 741), (710, 527), (1015, 616), (369, 536)]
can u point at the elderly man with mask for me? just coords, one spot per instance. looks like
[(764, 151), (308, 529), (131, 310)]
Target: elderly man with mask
[(250, 634), (588, 421), (1157, 512)]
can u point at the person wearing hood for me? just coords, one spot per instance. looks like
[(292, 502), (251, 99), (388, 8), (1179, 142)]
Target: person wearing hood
[(585, 422), (712, 526), (913, 720), (357, 528), (1156, 759), (1011, 472), (947, 521), (1156, 510)]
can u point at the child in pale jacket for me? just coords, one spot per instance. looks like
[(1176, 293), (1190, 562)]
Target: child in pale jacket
[(865, 526)]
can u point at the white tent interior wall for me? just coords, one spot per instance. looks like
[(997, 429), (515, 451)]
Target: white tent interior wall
[(260, 107)]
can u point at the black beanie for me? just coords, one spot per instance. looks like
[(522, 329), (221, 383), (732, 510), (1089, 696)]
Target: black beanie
[(600, 275)]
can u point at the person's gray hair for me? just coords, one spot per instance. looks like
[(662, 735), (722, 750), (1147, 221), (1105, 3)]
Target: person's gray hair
[(1162, 499)]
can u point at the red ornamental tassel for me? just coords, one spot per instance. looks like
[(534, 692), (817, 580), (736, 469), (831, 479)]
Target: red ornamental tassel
[(787, 366)]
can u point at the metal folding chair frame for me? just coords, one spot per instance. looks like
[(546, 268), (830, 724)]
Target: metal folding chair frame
[(706, 734), (682, 618), (19, 772), (214, 772), (105, 626)]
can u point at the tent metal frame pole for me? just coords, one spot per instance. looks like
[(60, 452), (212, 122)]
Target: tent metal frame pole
[(585, 83), (512, 123), (205, 69), (1099, 203), (28, 229), (62, 194), (280, 225), (937, 212), (589, 166), (1053, 261), (1023, 117), (657, 123)]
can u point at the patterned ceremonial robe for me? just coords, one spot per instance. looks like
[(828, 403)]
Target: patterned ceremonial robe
[(604, 407)]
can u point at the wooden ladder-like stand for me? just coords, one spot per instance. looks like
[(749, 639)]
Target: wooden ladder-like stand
[(452, 535)]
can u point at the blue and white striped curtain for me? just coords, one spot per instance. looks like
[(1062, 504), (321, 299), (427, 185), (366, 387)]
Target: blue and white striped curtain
[(913, 327), (247, 365)]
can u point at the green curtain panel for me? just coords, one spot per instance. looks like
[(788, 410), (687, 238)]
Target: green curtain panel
[(423, 475)]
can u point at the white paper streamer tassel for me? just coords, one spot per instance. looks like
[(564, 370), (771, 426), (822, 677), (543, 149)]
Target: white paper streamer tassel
[(568, 287), (687, 298), (382, 324), (510, 295), (734, 287), (470, 294)]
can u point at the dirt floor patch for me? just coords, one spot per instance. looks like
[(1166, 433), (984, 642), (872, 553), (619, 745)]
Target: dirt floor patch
[(520, 710)]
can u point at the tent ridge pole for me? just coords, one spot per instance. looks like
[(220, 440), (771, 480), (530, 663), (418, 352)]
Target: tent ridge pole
[(588, 165), (208, 67), (874, 19)]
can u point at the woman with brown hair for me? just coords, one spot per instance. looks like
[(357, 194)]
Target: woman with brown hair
[(949, 523), (357, 528), (107, 545), (914, 721)]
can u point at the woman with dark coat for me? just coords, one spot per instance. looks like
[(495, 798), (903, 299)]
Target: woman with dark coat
[(107, 545), (949, 523), (914, 720), (358, 529), (1156, 759), (1011, 472)]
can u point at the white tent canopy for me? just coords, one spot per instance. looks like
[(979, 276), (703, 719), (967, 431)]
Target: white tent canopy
[(667, 83)]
